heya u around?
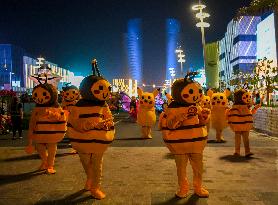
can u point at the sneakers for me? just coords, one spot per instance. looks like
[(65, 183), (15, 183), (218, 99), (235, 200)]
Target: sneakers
[(182, 192), (51, 170), (97, 194), (201, 192), (88, 185)]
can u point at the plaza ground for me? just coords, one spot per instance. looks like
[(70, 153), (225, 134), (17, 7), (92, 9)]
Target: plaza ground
[(140, 171)]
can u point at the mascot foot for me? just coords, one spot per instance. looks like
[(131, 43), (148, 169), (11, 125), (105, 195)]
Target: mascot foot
[(97, 194), (249, 154), (201, 192), (73, 151), (51, 170), (236, 154), (182, 192), (43, 166), (88, 185)]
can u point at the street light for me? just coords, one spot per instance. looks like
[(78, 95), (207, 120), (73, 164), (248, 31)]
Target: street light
[(181, 59), (201, 16)]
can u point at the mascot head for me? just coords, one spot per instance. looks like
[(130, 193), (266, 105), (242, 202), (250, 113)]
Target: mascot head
[(219, 99), (147, 100), (70, 93), (187, 91), (95, 87), (242, 96)]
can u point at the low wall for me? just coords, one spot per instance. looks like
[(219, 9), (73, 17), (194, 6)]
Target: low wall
[(266, 120)]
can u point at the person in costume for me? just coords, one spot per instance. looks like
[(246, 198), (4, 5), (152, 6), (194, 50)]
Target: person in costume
[(205, 103), (47, 125), (240, 119), (70, 96), (185, 134), (146, 116), (219, 106), (91, 128)]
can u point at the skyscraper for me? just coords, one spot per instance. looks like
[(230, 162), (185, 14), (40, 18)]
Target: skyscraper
[(134, 49), (172, 42)]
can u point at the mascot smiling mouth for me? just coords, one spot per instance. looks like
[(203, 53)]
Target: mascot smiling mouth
[(104, 95), (195, 98)]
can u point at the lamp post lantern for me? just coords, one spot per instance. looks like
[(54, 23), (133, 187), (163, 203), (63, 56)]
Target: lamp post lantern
[(202, 24), (181, 58)]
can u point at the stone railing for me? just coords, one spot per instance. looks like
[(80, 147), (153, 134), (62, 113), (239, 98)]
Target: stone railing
[(266, 120)]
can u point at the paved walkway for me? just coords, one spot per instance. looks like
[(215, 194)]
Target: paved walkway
[(141, 172)]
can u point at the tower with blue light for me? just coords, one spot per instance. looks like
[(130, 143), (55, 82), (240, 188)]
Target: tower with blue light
[(134, 49), (173, 29)]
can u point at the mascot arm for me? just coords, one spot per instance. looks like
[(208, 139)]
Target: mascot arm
[(57, 114), (174, 120), (204, 115), (32, 125)]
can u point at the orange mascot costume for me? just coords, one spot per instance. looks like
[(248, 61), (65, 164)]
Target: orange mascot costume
[(219, 106), (70, 95), (47, 125), (240, 119), (146, 116), (91, 128), (185, 133)]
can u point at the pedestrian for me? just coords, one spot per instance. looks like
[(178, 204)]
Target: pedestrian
[(91, 128), (16, 117), (47, 125), (185, 134), (240, 119)]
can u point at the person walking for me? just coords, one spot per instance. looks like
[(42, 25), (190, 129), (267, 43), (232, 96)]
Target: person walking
[(16, 117)]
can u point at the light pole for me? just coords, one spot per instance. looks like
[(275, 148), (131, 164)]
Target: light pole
[(181, 59), (202, 25)]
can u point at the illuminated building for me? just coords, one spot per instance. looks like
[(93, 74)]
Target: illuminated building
[(172, 43), (239, 47), (266, 40), (134, 48), (127, 86)]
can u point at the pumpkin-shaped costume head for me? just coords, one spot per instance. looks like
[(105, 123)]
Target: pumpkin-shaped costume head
[(147, 100), (187, 91), (95, 87), (70, 93), (219, 99), (45, 95), (242, 97)]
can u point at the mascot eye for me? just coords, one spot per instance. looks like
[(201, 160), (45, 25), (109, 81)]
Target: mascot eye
[(109, 88), (67, 94), (221, 97), (100, 87), (200, 91), (73, 92), (215, 98), (207, 100), (143, 97), (191, 91), (149, 97), (36, 95), (44, 93)]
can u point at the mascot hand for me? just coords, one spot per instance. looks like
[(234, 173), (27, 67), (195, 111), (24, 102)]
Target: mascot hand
[(29, 149), (205, 114)]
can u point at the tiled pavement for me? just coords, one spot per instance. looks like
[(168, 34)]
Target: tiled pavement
[(142, 172)]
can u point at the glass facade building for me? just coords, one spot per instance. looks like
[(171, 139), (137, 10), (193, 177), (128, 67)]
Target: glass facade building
[(134, 47), (173, 29), (238, 49)]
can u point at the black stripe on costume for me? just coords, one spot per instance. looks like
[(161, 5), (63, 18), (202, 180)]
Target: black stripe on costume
[(90, 141), (69, 125), (185, 127), (91, 115), (111, 128), (197, 139), (245, 122), (238, 115), (48, 122), (48, 132)]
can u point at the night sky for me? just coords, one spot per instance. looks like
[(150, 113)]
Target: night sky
[(71, 32)]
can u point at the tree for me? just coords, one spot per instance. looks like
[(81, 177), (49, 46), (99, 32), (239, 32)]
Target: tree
[(266, 76), (258, 7)]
